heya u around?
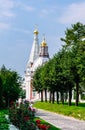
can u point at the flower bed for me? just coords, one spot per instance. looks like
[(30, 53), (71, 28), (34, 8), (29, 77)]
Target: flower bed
[(22, 116), (41, 126)]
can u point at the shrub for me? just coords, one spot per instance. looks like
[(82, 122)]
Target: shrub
[(4, 124), (22, 115)]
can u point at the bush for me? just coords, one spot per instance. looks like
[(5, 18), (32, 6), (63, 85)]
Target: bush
[(4, 124), (22, 115)]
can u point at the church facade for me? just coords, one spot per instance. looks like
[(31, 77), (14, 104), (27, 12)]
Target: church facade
[(38, 56)]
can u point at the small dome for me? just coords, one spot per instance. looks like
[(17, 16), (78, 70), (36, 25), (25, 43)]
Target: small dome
[(43, 43), (36, 31)]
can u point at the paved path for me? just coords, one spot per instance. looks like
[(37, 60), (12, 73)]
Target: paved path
[(60, 121)]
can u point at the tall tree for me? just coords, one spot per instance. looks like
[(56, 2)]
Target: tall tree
[(11, 83), (73, 40), (37, 83), (1, 93)]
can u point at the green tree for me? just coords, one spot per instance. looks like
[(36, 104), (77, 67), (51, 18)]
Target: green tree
[(22, 94), (62, 76), (66, 74), (1, 92), (47, 80), (73, 40), (11, 83), (37, 83)]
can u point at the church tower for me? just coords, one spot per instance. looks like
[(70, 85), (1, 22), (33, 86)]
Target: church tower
[(35, 49), (38, 56), (28, 73), (43, 52)]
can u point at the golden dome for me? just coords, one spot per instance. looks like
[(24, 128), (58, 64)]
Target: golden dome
[(43, 43), (36, 31)]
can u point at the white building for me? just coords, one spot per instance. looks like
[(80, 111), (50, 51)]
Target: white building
[(38, 56)]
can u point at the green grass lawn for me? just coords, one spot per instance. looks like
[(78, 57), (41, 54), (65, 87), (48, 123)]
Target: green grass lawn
[(73, 111), (3, 121)]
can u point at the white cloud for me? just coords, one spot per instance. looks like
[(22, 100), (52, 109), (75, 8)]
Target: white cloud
[(48, 11), (4, 26), (5, 8), (44, 13), (24, 6), (28, 8), (21, 30), (7, 3), (73, 13), (7, 14)]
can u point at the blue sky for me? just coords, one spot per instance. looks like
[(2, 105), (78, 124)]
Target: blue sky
[(17, 23)]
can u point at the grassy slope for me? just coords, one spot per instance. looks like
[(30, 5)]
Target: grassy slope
[(73, 111)]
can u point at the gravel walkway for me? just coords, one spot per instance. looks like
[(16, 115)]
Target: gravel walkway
[(60, 121)]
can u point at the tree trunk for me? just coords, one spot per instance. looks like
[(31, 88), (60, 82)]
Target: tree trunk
[(1, 103), (41, 95), (62, 97), (53, 97), (50, 97), (77, 93), (70, 96), (57, 97), (45, 95)]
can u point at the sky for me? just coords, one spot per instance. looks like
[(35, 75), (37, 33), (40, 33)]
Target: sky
[(17, 23)]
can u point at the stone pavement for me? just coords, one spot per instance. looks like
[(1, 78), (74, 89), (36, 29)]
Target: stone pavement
[(12, 127), (60, 121)]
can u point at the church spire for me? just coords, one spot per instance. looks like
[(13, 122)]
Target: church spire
[(43, 42), (36, 30), (35, 49)]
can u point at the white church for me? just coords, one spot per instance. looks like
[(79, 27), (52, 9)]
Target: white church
[(38, 56)]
